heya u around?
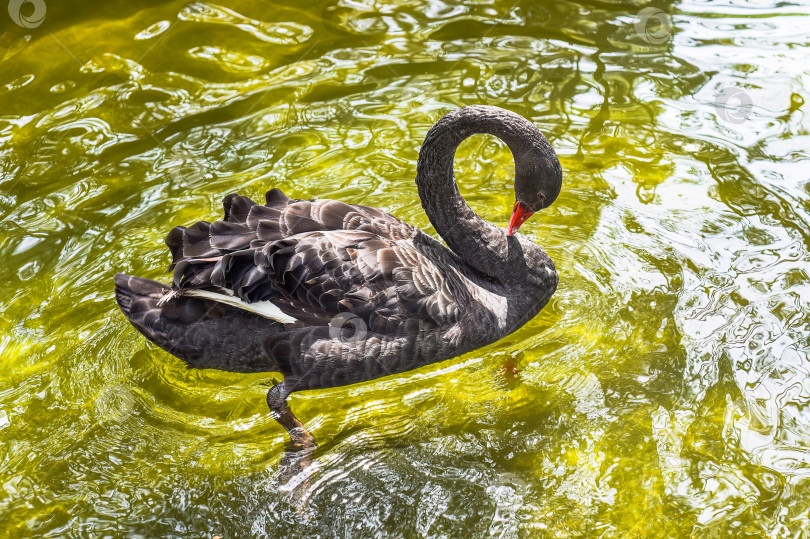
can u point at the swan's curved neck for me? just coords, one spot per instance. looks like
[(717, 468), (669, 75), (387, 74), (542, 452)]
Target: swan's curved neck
[(480, 244)]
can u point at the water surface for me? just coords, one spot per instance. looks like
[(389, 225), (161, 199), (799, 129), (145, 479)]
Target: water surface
[(664, 391)]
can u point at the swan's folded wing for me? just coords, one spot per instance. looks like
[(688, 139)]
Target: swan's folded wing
[(281, 217), (315, 260), (314, 277)]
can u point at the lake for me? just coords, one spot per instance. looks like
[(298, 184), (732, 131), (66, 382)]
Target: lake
[(663, 391)]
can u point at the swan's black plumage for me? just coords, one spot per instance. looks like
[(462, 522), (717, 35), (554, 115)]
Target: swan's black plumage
[(409, 300)]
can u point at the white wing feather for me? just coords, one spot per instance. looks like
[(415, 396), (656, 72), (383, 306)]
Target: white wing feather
[(266, 309)]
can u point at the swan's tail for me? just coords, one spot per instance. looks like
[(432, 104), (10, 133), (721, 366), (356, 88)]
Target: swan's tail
[(203, 333)]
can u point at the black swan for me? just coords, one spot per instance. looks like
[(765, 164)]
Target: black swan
[(330, 293)]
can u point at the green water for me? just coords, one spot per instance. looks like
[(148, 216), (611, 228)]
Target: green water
[(663, 391)]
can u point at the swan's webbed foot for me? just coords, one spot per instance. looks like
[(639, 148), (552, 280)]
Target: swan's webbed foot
[(301, 440), (300, 437)]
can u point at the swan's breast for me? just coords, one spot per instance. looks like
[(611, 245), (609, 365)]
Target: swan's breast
[(494, 303)]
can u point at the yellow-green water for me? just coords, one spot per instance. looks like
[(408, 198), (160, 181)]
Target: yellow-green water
[(664, 391)]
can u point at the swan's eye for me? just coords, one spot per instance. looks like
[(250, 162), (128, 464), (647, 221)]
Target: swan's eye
[(541, 199)]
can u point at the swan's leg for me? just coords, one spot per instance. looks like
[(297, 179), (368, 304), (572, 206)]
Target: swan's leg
[(300, 438)]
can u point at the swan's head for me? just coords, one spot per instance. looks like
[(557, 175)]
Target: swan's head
[(538, 179), (538, 174)]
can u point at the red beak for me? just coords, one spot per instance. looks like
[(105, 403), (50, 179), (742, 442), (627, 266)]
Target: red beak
[(519, 216)]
